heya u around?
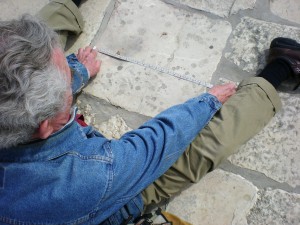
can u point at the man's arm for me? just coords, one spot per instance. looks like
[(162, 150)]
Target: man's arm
[(84, 65), (142, 155)]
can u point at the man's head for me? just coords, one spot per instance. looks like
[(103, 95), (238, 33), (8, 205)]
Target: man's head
[(34, 81)]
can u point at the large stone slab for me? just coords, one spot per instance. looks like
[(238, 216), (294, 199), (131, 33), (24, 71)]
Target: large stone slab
[(12, 9), (275, 207), (219, 7), (251, 38), (187, 43), (275, 151), (220, 198), (287, 9)]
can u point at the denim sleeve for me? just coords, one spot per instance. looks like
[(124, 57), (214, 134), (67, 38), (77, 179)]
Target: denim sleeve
[(142, 155), (80, 75)]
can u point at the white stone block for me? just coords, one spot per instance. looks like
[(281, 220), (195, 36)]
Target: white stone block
[(157, 33), (220, 198)]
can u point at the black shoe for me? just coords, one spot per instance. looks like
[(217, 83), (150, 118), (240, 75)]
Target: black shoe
[(288, 50), (77, 2)]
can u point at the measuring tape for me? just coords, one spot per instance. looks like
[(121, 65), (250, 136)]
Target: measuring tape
[(153, 67)]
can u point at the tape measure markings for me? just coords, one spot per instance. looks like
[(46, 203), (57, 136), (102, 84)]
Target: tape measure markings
[(153, 67)]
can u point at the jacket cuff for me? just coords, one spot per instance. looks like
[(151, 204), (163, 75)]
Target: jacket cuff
[(80, 75), (211, 100)]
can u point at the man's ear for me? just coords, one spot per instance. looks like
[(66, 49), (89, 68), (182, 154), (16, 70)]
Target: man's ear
[(45, 129)]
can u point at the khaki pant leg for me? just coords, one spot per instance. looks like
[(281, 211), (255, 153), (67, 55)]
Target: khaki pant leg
[(63, 16), (240, 118)]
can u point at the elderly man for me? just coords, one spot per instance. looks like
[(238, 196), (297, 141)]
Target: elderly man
[(55, 171)]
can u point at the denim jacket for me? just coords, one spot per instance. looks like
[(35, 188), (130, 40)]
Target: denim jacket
[(77, 176)]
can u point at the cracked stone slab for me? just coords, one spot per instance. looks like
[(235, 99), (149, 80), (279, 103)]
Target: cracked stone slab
[(93, 12), (275, 207), (275, 151), (204, 202), (115, 127), (219, 7), (251, 38), (97, 112), (177, 42), (287, 9), (12, 9)]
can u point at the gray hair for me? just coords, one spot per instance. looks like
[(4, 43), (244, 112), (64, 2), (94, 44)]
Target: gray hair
[(32, 88)]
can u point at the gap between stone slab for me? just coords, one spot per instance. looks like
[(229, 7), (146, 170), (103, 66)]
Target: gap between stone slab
[(260, 180), (108, 12), (178, 5)]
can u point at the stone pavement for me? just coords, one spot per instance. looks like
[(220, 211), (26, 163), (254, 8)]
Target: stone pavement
[(206, 40)]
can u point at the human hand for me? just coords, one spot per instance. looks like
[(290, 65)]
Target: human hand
[(223, 92), (88, 57)]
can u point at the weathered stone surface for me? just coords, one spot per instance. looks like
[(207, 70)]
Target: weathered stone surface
[(220, 198), (275, 207), (93, 12), (177, 42), (13, 9), (88, 112), (287, 9), (251, 37), (242, 5), (275, 151), (97, 111), (219, 7), (115, 127)]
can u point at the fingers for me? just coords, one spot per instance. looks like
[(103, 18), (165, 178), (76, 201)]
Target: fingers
[(83, 53), (93, 66), (79, 54), (88, 57), (229, 88), (223, 92)]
